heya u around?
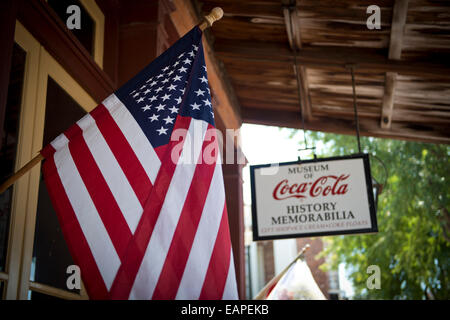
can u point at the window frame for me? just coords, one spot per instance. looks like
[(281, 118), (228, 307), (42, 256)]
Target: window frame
[(39, 65)]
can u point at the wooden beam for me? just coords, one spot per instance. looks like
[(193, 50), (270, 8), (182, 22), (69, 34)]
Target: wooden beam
[(292, 23), (397, 28), (368, 127), (388, 100), (399, 15), (328, 57)]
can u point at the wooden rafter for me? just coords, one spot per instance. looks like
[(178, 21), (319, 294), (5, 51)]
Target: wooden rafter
[(292, 23), (395, 51)]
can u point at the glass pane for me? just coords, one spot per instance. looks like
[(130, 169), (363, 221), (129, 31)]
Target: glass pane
[(8, 144), (51, 256), (33, 295), (86, 33), (2, 287)]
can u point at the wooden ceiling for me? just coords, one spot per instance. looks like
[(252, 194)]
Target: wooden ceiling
[(402, 71)]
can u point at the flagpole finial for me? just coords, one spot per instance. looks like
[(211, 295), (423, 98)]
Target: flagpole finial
[(213, 16)]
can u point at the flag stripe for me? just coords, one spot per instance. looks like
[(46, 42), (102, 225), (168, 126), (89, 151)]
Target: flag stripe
[(93, 229), (230, 291), (127, 272), (115, 178), (73, 233), (202, 247), (165, 226), (183, 237), (216, 276), (103, 199), (124, 154), (134, 135)]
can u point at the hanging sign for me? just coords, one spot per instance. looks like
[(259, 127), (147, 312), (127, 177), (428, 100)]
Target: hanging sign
[(329, 196)]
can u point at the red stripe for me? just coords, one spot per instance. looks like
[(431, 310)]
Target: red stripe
[(219, 264), (180, 247), (127, 272), (73, 234), (127, 159), (101, 195)]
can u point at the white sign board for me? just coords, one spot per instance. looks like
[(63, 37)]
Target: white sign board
[(313, 198)]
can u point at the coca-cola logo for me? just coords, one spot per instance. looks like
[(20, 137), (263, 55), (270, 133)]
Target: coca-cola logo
[(323, 186)]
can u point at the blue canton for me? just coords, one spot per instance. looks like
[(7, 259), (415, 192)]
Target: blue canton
[(176, 83)]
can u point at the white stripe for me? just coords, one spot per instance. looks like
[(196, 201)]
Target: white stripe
[(161, 238), (202, 247), (230, 290), (134, 135), (94, 231), (115, 178), (59, 142)]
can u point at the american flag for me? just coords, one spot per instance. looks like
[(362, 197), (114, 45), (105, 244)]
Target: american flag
[(138, 189)]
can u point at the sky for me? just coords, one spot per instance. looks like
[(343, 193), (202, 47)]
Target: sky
[(266, 144)]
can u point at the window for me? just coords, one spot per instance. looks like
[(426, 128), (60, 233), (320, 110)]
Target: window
[(92, 21), (37, 255), (8, 149)]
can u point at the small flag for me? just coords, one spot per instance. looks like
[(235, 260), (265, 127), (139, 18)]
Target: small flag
[(138, 189), (297, 284)]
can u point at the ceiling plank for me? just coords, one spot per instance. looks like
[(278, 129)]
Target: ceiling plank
[(327, 57)]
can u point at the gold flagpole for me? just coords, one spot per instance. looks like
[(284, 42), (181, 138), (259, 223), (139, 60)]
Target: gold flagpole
[(263, 293), (208, 20)]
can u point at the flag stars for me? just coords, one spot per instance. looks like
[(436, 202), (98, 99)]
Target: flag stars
[(160, 107), (165, 97), (203, 79), (153, 98), (207, 103), (162, 130), (177, 78), (160, 75), (173, 110), (135, 95), (140, 100), (168, 120), (192, 54), (147, 107), (153, 83), (165, 80), (178, 100), (195, 47), (154, 117), (182, 69), (172, 87), (195, 106), (187, 61), (199, 92), (158, 89), (147, 91), (179, 57), (165, 69)]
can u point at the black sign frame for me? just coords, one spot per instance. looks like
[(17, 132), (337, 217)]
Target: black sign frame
[(370, 197)]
